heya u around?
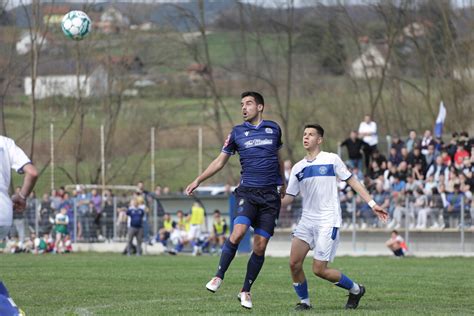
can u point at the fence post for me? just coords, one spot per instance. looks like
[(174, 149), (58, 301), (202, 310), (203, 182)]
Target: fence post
[(407, 220), (155, 218), (462, 223), (37, 213), (115, 217), (75, 220), (354, 224)]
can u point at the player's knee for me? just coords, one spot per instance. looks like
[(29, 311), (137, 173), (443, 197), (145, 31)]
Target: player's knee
[(295, 265), (319, 271)]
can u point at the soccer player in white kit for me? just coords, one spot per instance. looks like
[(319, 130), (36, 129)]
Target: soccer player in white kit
[(12, 157), (315, 178)]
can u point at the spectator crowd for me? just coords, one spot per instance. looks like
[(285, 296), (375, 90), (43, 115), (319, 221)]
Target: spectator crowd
[(423, 181)]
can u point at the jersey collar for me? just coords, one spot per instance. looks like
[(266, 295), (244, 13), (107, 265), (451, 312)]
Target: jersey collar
[(253, 126)]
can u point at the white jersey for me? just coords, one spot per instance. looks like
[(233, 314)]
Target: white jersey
[(371, 128), (11, 157), (316, 181)]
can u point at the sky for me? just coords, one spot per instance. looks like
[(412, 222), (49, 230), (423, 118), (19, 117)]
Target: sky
[(267, 3)]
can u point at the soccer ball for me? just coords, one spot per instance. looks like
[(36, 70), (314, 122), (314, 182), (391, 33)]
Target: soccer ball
[(76, 25)]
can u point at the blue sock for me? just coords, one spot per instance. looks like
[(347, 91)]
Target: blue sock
[(228, 253), (345, 282), (253, 269), (301, 290)]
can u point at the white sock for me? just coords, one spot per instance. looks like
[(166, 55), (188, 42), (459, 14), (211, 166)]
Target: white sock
[(306, 301), (355, 289)]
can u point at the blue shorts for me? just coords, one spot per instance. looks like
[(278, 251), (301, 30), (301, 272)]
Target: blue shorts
[(259, 208)]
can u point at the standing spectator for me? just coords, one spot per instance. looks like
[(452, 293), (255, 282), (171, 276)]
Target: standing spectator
[(96, 210), (32, 208), (83, 214), (397, 143), (145, 203), (108, 214), (354, 147), (56, 200), (396, 243), (412, 141), (425, 141), (368, 133), (136, 214), (46, 213)]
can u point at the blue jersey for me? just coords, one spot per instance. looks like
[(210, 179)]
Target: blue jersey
[(136, 217), (258, 149)]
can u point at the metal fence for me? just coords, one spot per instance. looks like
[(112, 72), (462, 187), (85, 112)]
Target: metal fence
[(109, 224)]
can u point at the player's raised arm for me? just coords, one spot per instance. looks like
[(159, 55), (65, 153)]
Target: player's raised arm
[(215, 166), (360, 189)]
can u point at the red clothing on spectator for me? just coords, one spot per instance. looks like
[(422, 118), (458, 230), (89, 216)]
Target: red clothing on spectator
[(447, 160), (459, 156)]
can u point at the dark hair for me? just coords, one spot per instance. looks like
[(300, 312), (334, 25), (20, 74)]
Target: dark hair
[(395, 231), (316, 127), (257, 96), (217, 212)]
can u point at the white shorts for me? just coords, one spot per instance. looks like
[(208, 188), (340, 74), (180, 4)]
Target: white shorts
[(194, 231), (322, 240)]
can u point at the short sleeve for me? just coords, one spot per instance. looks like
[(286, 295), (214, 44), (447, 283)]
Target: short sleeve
[(18, 157), (229, 145), (341, 170), (279, 142), (293, 187)]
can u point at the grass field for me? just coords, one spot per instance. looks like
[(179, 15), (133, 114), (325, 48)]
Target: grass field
[(112, 284)]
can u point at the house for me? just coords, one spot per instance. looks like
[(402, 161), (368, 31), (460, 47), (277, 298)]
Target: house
[(196, 72), (371, 63), (53, 14), (58, 78), (112, 21)]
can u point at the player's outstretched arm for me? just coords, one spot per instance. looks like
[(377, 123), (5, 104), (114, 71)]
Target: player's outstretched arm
[(31, 175), (359, 188), (214, 167)]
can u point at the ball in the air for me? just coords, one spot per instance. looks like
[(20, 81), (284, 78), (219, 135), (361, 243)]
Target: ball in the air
[(76, 25)]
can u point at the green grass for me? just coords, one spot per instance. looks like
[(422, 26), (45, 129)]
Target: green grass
[(112, 284)]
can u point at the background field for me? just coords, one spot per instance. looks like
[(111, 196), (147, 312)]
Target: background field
[(112, 284)]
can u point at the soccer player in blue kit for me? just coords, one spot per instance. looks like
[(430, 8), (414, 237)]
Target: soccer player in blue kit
[(258, 142), (315, 177)]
